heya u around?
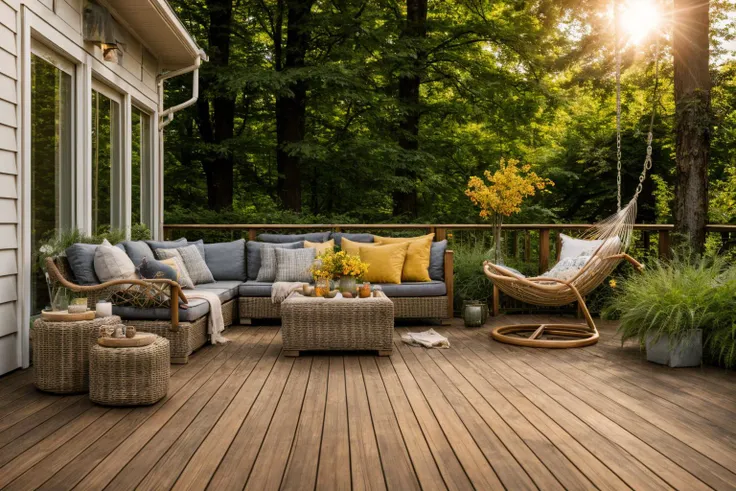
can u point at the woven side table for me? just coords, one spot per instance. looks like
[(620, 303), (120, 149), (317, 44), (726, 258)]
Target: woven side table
[(61, 353), (129, 376), (313, 323)]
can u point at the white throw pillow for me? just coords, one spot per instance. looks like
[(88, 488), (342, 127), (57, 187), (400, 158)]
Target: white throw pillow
[(572, 248), (112, 263)]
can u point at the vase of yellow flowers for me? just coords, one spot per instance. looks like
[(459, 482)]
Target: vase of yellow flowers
[(501, 196), (341, 266)]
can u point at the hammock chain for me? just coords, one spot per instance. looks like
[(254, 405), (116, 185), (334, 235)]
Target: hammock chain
[(650, 134), (618, 102)]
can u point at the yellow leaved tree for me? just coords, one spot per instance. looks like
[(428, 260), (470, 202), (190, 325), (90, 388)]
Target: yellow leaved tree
[(503, 192)]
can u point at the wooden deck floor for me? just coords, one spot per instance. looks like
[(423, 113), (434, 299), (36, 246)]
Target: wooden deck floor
[(480, 415)]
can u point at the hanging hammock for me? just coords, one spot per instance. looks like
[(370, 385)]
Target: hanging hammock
[(614, 233)]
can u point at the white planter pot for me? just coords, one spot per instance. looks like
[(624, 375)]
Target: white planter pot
[(686, 353)]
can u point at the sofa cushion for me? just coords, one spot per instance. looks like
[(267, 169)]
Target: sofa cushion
[(226, 260), (255, 289), (364, 238), (166, 244), (254, 254), (173, 259), (82, 263), (137, 250), (437, 260), (294, 265), (194, 262), (285, 238), (112, 263), (416, 264), (197, 308), (226, 290), (385, 262), (415, 289)]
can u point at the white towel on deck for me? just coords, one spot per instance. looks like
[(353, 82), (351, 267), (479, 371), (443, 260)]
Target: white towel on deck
[(428, 339), (215, 323)]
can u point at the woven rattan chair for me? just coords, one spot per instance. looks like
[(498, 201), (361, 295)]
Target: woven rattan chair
[(158, 292)]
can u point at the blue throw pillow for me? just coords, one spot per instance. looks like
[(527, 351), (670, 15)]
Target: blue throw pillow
[(156, 270), (166, 244), (81, 259), (363, 238), (437, 260), (137, 250), (226, 260)]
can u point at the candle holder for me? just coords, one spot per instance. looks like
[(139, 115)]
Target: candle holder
[(103, 308)]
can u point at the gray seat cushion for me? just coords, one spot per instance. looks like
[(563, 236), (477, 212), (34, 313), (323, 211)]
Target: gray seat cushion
[(226, 260), (363, 238), (437, 260), (283, 238), (226, 290), (197, 308), (412, 289), (255, 289)]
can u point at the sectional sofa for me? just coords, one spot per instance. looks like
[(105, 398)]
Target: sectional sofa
[(234, 266)]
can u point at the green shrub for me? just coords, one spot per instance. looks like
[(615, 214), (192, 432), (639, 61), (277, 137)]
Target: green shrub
[(672, 297)]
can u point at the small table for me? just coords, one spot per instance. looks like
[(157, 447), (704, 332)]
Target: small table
[(136, 376), (337, 324), (61, 353)]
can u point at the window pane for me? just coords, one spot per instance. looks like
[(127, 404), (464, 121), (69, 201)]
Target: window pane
[(141, 167), (105, 161), (52, 173)]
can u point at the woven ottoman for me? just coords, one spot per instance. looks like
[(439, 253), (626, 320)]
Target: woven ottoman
[(341, 324), (61, 353), (129, 376)]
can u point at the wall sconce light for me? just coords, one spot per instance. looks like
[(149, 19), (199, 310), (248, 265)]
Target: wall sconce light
[(110, 52)]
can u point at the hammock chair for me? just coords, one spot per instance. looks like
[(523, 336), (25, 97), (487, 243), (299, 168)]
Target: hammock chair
[(614, 234)]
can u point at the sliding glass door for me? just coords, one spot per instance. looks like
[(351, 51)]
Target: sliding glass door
[(52, 157), (141, 168), (107, 169)]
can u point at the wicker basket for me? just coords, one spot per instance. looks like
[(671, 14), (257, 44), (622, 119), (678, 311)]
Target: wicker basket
[(61, 353), (129, 376), (337, 324)]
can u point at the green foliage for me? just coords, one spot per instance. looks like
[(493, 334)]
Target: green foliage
[(672, 297)]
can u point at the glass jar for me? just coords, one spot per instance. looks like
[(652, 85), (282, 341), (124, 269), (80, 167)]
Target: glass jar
[(348, 284), (365, 290), (322, 287)]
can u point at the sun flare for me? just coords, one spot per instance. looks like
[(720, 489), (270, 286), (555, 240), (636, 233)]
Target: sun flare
[(638, 18)]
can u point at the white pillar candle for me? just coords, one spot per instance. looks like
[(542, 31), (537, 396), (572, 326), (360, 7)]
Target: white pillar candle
[(103, 309)]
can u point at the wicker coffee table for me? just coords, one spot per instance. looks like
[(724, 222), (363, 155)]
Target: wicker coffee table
[(61, 353), (337, 324)]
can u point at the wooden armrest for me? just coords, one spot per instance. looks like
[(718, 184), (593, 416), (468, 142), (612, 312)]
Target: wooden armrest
[(636, 264)]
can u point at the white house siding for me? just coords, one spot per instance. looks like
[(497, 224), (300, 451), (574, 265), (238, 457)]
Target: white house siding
[(53, 21), (9, 90)]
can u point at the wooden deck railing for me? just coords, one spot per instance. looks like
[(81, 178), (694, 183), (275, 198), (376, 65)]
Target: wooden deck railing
[(441, 231)]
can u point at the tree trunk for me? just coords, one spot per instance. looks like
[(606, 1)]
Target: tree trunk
[(291, 109), (415, 30), (216, 114), (693, 120)]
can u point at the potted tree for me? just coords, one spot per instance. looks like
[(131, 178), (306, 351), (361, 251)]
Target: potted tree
[(667, 307)]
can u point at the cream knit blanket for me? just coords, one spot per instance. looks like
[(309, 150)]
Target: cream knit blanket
[(215, 323), (282, 289)]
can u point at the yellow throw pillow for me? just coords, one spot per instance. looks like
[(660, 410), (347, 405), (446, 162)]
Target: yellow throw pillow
[(384, 262), (416, 265), (353, 248), (320, 246)]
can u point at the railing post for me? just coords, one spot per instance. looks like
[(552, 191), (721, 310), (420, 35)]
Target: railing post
[(251, 234), (543, 250), (440, 234), (527, 246), (664, 244)]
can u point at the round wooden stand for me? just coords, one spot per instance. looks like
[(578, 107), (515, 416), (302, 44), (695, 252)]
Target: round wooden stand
[(140, 339), (530, 335)]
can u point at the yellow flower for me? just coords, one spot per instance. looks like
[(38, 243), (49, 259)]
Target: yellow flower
[(507, 188), (612, 283)]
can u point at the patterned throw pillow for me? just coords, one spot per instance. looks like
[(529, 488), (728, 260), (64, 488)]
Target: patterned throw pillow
[(193, 261), (156, 270), (294, 264), (567, 268), (267, 273), (172, 257)]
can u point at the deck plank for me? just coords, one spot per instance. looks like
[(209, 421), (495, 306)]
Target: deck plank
[(479, 415)]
